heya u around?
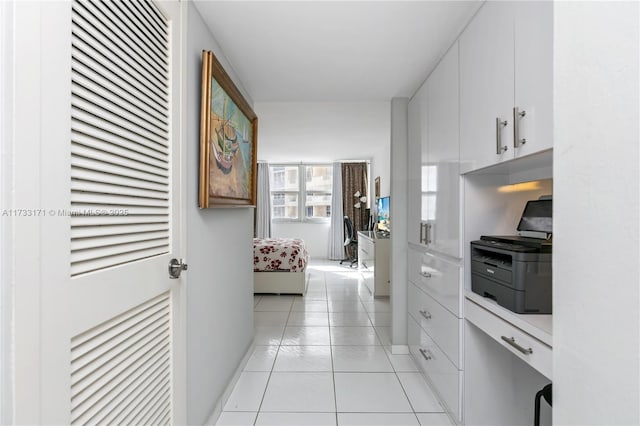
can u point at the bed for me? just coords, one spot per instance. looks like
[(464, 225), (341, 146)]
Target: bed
[(279, 265)]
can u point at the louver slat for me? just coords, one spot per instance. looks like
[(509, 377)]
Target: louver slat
[(121, 369), (101, 140), (95, 33), (108, 230), (98, 65), (120, 211), (128, 34)]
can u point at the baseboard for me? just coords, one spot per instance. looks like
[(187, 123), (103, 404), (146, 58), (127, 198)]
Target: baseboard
[(217, 409), (400, 349)]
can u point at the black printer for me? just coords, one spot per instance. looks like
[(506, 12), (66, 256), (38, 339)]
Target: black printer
[(515, 271)]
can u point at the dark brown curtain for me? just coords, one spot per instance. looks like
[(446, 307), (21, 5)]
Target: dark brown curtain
[(354, 179)]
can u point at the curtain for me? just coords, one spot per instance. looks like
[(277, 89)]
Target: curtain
[(336, 231), (263, 207), (355, 181)]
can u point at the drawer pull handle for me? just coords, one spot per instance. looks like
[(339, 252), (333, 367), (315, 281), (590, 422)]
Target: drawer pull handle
[(425, 274), (512, 341), (425, 314), (426, 354)]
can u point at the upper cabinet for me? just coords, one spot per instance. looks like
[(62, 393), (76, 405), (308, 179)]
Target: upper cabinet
[(533, 34), (417, 134), (434, 160), (506, 66), (441, 167)]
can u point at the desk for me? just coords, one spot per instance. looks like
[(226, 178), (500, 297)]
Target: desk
[(373, 262)]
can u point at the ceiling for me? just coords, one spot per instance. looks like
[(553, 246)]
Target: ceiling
[(334, 50)]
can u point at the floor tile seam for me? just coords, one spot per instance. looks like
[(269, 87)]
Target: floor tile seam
[(264, 393), (406, 394), (333, 369)]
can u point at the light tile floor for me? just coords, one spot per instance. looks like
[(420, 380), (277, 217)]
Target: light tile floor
[(325, 359)]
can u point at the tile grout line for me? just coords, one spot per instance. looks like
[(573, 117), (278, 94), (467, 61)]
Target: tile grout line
[(264, 393), (333, 370)]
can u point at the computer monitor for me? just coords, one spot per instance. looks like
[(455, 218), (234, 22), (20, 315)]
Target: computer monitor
[(537, 216), (382, 213)]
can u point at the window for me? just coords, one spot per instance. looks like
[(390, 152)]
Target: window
[(301, 192)]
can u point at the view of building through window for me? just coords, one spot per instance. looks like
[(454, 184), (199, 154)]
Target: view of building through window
[(301, 192)]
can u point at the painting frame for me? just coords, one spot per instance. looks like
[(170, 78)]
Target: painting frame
[(377, 187), (220, 185)]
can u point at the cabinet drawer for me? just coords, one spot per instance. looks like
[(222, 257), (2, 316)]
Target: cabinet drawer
[(366, 246), (532, 351), (445, 377), (366, 254), (438, 278), (440, 324)]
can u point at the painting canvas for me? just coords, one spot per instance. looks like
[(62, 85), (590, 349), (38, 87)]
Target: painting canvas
[(228, 141)]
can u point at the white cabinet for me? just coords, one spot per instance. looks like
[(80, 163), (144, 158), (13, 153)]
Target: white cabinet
[(437, 277), (435, 324), (434, 158), (442, 174), (534, 75), (443, 326), (373, 262), (486, 87), (441, 372), (506, 65)]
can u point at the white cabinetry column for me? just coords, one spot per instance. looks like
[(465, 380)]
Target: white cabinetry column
[(596, 324), (398, 215)]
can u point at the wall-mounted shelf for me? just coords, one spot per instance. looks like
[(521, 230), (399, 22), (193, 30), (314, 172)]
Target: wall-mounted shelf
[(522, 169)]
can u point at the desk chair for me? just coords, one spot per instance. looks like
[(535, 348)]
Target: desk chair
[(350, 242)]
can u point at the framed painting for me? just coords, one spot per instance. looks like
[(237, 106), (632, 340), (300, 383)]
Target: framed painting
[(228, 141), (377, 187)]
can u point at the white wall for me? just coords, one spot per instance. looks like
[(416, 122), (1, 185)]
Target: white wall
[(596, 293), (315, 236), (293, 132), (219, 253)]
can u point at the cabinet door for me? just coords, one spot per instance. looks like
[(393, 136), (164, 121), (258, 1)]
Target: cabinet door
[(486, 86), (533, 32), (443, 156), (413, 172), (418, 202)]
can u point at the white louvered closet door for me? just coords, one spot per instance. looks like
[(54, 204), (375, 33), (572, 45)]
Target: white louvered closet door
[(113, 328)]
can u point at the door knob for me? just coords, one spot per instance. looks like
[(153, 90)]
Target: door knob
[(176, 267)]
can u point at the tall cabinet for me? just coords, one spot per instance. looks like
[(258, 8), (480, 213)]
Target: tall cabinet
[(480, 122), (434, 312)]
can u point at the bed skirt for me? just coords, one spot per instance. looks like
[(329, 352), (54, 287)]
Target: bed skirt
[(280, 282)]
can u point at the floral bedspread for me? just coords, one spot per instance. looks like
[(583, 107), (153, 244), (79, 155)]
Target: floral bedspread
[(279, 254)]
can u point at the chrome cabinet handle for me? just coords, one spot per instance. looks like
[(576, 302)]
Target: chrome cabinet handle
[(424, 233), (425, 314), (499, 125), (428, 226), (426, 354), (512, 341), (425, 274), (517, 115)]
